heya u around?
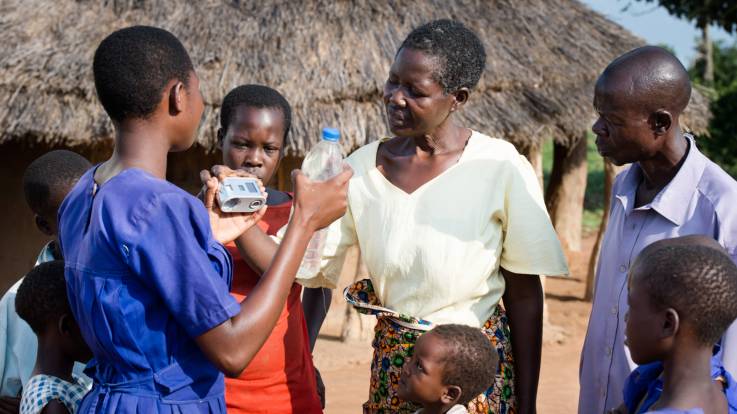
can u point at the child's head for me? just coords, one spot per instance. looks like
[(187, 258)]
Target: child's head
[(451, 364), (47, 181), (42, 302), (254, 124), (144, 73), (681, 293)]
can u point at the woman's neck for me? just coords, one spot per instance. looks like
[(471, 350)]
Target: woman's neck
[(447, 138), (51, 360)]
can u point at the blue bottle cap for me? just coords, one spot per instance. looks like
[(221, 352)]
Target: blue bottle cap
[(331, 134)]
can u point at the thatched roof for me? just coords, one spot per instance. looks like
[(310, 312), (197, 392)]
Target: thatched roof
[(329, 58)]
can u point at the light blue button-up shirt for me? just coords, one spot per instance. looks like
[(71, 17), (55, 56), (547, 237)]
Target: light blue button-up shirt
[(700, 199)]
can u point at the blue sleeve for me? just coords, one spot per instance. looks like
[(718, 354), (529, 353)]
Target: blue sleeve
[(175, 253)]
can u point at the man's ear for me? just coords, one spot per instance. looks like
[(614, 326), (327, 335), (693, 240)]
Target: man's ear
[(451, 395), (43, 225), (461, 97), (177, 97), (660, 121), (671, 324)]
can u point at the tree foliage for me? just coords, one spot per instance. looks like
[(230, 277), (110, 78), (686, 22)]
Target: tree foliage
[(725, 67), (721, 145), (703, 12)]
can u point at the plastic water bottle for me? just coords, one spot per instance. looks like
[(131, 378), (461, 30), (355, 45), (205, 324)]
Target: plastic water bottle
[(323, 162)]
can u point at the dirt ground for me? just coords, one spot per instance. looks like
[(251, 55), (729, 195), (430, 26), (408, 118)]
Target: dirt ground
[(345, 366)]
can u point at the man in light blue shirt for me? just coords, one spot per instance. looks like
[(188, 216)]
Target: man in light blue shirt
[(670, 190)]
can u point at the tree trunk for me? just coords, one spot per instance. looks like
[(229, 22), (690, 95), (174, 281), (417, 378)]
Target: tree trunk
[(566, 190), (708, 51), (534, 154), (610, 173)]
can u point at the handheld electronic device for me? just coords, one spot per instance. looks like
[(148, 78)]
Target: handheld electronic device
[(240, 195)]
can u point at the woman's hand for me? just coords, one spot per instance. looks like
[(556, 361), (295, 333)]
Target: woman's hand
[(319, 203), (226, 227)]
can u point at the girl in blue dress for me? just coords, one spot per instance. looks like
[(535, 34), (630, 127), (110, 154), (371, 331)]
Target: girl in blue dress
[(147, 275)]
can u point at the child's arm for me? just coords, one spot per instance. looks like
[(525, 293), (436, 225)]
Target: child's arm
[(9, 405), (232, 344), (256, 248), (315, 303), (55, 407)]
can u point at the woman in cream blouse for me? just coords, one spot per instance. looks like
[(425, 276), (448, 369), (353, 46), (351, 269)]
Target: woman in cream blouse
[(449, 221)]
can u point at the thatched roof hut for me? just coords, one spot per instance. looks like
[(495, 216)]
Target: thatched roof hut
[(330, 58)]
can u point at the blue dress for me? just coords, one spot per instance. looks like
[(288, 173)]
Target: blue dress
[(144, 278)]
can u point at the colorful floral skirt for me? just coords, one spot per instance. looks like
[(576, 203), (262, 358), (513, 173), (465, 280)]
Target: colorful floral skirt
[(394, 339)]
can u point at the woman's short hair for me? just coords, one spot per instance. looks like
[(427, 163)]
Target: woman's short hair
[(459, 50)]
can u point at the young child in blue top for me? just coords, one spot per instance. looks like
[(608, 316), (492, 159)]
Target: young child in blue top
[(681, 300), (42, 302), (147, 275)]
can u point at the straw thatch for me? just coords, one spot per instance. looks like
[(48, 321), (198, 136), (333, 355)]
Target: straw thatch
[(329, 58)]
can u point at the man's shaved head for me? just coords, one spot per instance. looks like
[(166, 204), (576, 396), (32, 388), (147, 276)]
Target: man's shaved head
[(649, 77)]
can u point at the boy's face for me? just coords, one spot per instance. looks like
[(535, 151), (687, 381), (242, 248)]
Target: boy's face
[(422, 375), (253, 141), (47, 221), (644, 325)]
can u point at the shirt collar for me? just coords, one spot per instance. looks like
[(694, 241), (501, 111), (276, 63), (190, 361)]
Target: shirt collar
[(672, 202)]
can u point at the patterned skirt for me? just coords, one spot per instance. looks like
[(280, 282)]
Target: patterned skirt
[(394, 339)]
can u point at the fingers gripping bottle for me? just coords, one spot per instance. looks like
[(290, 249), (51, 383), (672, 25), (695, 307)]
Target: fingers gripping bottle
[(323, 162)]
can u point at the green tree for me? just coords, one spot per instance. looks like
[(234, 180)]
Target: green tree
[(721, 144), (725, 67), (704, 13)]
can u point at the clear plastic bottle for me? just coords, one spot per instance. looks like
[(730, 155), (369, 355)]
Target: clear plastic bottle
[(324, 161)]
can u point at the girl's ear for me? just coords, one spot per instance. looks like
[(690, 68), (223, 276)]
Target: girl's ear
[(671, 323), (177, 98), (461, 97)]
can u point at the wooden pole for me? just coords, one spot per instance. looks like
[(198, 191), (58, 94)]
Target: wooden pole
[(566, 189), (610, 173)]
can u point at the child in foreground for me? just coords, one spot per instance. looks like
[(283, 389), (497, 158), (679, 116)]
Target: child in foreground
[(450, 366), (42, 302), (681, 298)]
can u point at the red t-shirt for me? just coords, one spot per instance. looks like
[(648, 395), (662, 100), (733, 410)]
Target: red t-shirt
[(281, 378)]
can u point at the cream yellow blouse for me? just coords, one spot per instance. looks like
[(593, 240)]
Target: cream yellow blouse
[(435, 253)]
